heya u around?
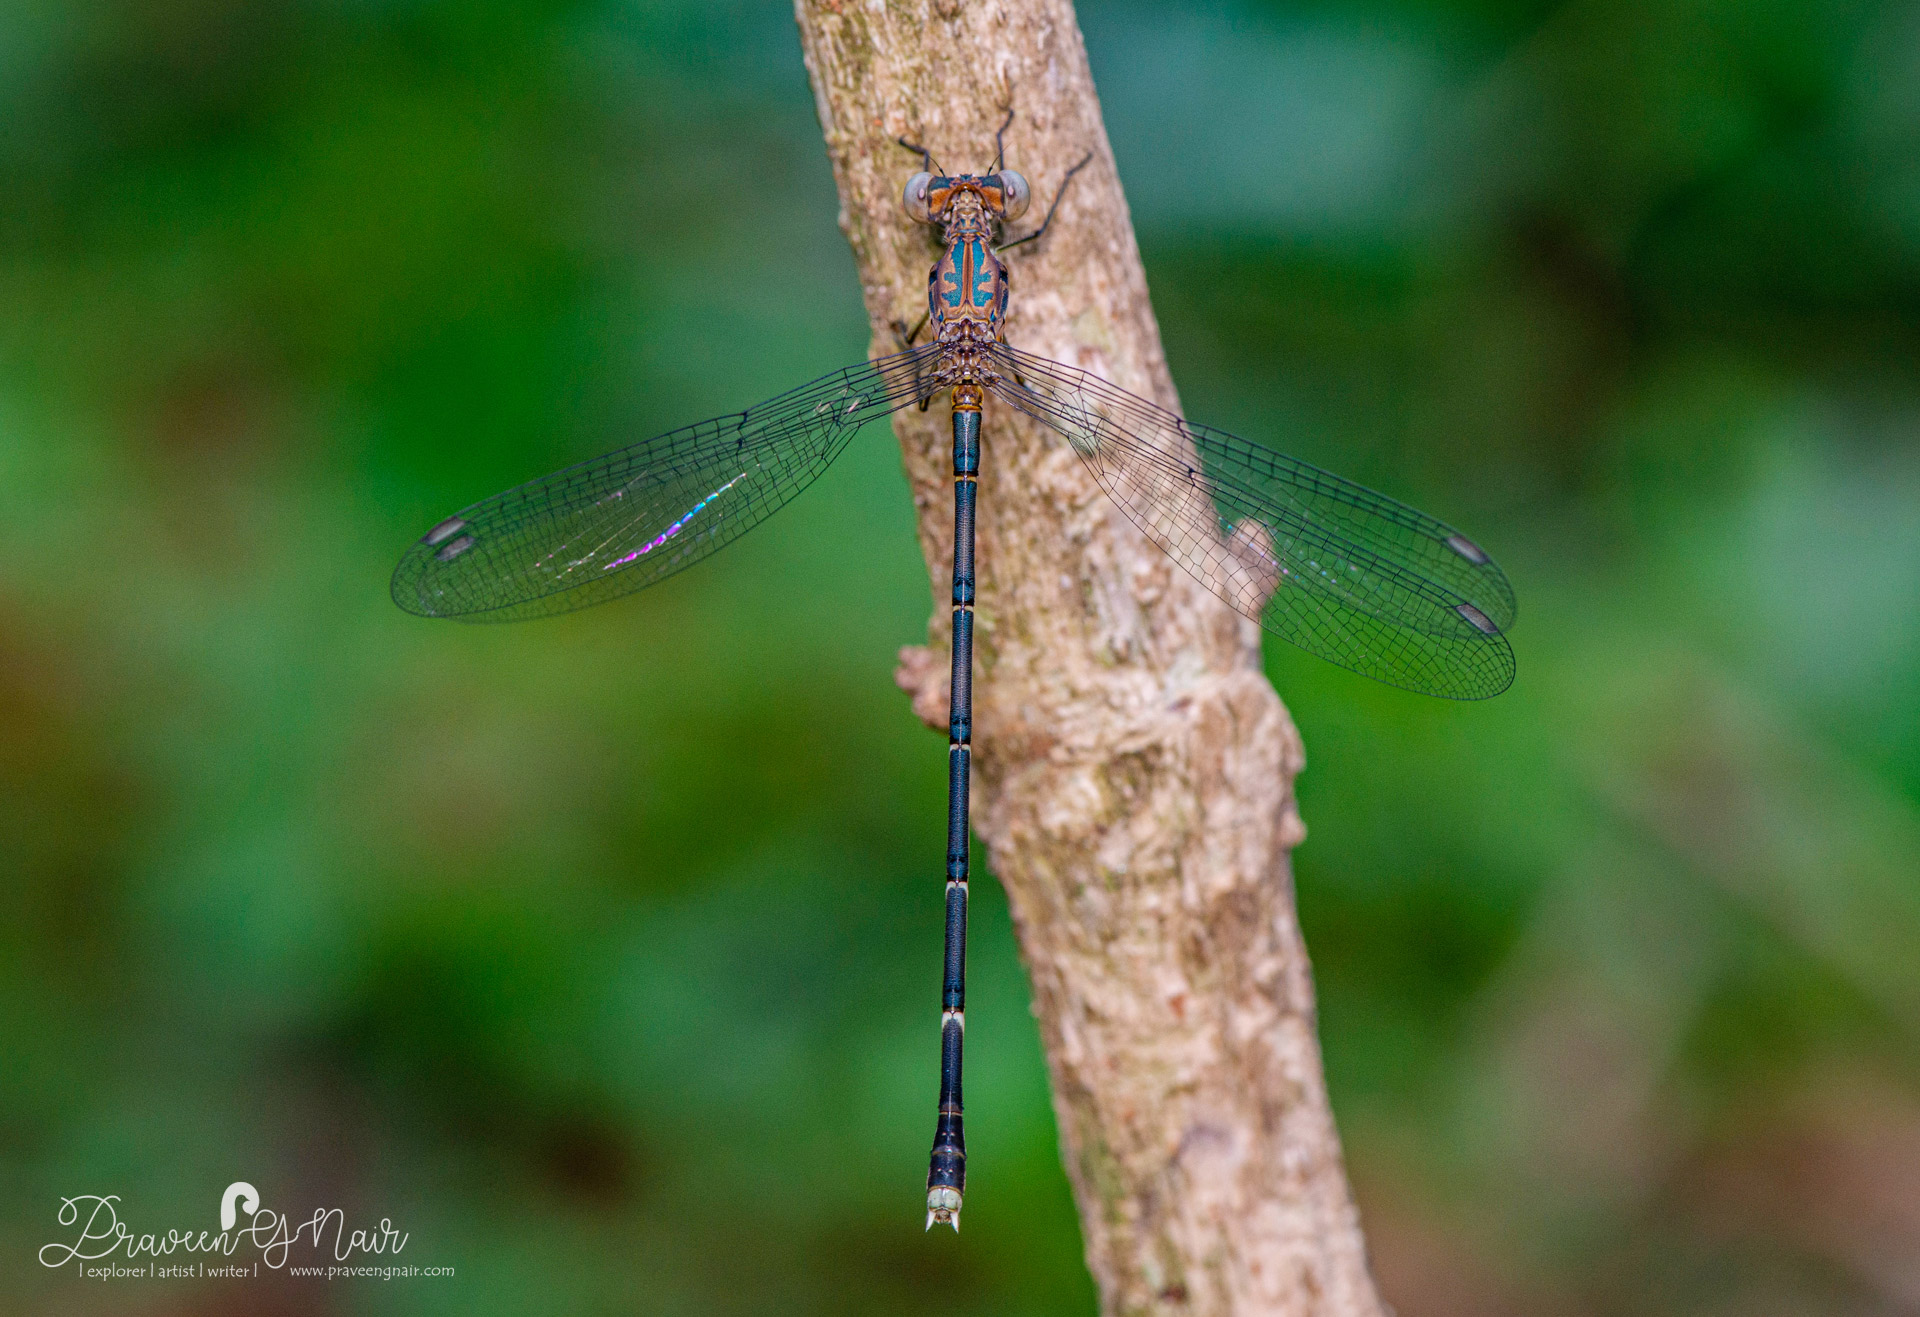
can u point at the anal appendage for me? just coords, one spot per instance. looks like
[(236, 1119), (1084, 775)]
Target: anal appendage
[(943, 1205)]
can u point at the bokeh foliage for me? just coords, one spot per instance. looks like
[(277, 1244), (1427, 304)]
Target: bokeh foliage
[(601, 954)]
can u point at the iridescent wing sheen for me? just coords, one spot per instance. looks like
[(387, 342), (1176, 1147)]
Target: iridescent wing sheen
[(607, 527), (1350, 575)]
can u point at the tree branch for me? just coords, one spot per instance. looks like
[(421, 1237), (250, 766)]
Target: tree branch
[(1134, 769)]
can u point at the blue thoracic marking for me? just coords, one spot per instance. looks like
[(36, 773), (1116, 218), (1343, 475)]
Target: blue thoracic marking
[(982, 273)]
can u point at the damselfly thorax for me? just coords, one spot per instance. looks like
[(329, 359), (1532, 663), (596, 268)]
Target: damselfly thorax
[(967, 287)]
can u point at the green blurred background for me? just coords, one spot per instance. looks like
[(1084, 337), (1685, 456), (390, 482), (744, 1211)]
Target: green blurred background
[(601, 954)]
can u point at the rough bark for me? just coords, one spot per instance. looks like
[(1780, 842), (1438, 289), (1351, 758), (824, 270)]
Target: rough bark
[(1134, 769)]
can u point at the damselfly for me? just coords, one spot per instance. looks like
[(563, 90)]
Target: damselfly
[(1342, 572)]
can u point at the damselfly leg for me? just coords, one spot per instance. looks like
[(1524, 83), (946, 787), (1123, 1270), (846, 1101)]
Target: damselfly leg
[(1040, 232), (1000, 142), (926, 156)]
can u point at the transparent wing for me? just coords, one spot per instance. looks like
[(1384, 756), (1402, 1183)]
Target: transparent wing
[(607, 527), (1350, 575)]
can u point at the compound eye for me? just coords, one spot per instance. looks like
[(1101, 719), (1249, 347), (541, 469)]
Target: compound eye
[(915, 197), (1015, 195)]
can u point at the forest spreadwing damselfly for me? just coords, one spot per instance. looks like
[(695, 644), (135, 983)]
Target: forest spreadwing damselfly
[(1347, 574)]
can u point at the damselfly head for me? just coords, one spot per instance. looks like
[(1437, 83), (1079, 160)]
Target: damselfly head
[(1015, 195), (936, 198), (915, 198)]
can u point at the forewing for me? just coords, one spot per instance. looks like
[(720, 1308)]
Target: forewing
[(612, 525), (1350, 575)]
